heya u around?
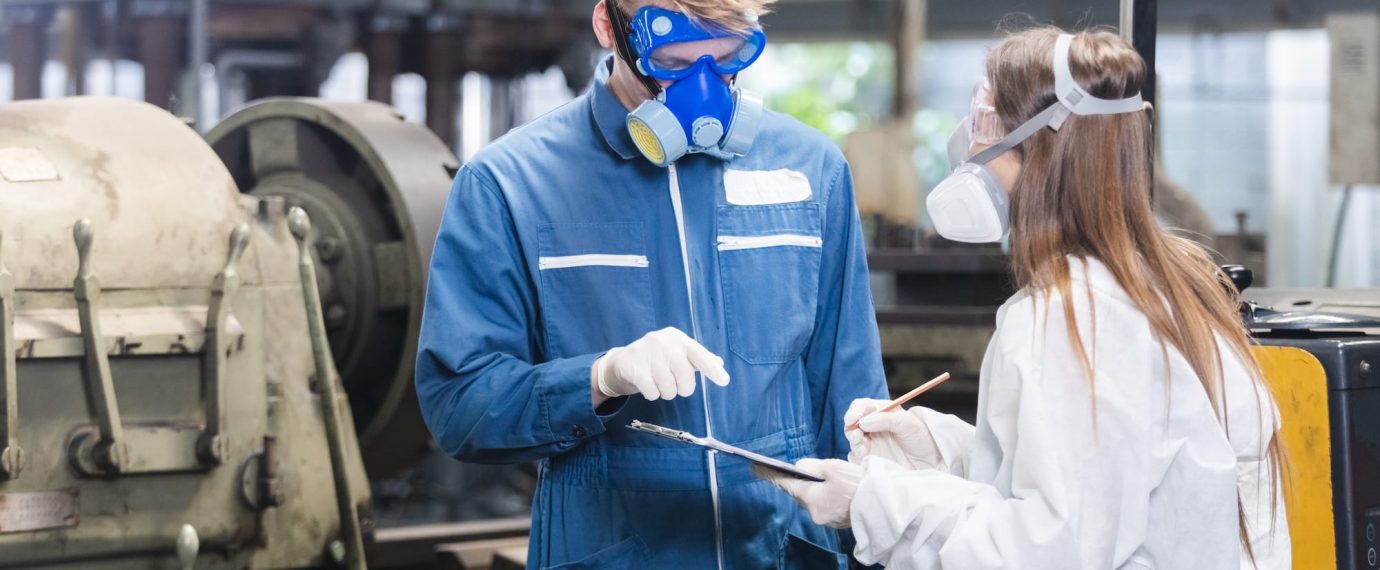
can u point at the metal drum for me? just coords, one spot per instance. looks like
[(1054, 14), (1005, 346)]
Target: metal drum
[(374, 187)]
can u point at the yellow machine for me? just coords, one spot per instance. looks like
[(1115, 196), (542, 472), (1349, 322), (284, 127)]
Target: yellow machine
[(1299, 385), (1319, 366)]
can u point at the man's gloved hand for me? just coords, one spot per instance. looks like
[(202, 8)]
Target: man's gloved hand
[(900, 436), (829, 502), (661, 364)]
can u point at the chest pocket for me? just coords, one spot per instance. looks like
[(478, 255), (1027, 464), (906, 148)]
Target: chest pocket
[(769, 260), (595, 286)]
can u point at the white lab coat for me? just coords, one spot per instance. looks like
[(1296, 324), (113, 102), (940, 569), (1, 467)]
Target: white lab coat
[(1036, 485)]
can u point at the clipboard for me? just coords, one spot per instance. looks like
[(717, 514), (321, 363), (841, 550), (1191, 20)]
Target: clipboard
[(711, 443)]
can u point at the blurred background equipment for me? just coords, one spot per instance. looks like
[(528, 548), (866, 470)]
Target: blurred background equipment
[(1355, 100), (204, 58)]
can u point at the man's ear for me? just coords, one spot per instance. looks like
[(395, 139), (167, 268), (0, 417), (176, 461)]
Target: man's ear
[(603, 28)]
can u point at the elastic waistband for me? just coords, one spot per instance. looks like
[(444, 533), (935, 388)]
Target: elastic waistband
[(667, 468)]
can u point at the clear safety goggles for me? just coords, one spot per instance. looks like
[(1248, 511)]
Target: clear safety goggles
[(985, 127), (670, 46), (726, 56)]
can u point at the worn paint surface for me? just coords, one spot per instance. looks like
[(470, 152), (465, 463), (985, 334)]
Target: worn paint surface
[(1299, 385), (162, 208), (158, 197)]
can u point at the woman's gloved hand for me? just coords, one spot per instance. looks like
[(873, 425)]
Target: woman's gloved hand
[(660, 365), (900, 436), (829, 502)]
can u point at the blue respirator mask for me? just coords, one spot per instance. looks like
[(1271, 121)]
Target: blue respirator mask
[(698, 112)]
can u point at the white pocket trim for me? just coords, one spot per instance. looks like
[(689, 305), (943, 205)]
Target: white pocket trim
[(591, 260), (734, 243)]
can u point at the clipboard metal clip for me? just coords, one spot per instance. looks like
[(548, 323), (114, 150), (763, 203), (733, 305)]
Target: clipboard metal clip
[(666, 432), (714, 445)]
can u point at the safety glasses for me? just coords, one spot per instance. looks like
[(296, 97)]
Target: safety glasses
[(986, 127), (670, 46)]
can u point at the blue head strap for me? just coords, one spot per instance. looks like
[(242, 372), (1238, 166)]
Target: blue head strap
[(654, 27)]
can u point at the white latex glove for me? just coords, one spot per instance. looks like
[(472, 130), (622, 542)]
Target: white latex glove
[(829, 502), (661, 364), (900, 436)]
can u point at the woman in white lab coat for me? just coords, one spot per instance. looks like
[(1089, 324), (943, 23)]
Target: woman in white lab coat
[(1122, 421)]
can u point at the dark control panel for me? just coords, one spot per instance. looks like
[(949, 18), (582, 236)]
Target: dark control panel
[(1370, 545)]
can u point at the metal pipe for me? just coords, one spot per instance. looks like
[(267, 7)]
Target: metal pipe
[(442, 43), (198, 48), (1335, 255), (909, 36), (160, 48), (383, 46), (28, 46), (1128, 19), (1139, 25)]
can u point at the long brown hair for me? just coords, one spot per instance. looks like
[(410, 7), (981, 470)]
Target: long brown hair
[(1084, 191)]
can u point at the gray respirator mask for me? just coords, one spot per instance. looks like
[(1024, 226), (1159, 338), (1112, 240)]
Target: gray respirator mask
[(971, 205)]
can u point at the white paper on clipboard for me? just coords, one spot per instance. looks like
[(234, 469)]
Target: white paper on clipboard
[(711, 443)]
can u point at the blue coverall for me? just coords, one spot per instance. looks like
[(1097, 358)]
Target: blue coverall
[(513, 322)]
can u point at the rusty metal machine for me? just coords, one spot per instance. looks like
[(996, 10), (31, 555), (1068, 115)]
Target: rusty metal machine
[(172, 318), (374, 187)]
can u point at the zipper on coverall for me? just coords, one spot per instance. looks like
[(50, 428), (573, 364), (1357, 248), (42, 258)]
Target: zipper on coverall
[(704, 384)]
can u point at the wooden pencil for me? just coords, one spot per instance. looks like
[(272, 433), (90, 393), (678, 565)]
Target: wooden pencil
[(908, 396)]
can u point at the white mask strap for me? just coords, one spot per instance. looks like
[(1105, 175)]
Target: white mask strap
[(1072, 99), (1077, 100)]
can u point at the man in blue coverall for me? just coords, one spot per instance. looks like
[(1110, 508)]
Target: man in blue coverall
[(660, 249)]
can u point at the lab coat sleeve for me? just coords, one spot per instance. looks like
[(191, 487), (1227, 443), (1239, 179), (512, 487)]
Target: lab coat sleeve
[(1262, 500), (482, 393), (953, 437), (1075, 489), (844, 359)]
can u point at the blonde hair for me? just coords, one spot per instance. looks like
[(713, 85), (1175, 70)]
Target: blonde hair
[(1085, 191), (734, 16)]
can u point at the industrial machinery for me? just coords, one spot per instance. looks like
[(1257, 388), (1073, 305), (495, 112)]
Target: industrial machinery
[(374, 187), (173, 323), (167, 385), (1346, 346)]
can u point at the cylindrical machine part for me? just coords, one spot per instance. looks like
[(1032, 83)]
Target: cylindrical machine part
[(374, 186)]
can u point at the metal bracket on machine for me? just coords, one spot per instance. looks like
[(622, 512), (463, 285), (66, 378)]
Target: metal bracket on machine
[(109, 453), (11, 455), (111, 448), (211, 446), (325, 386)]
